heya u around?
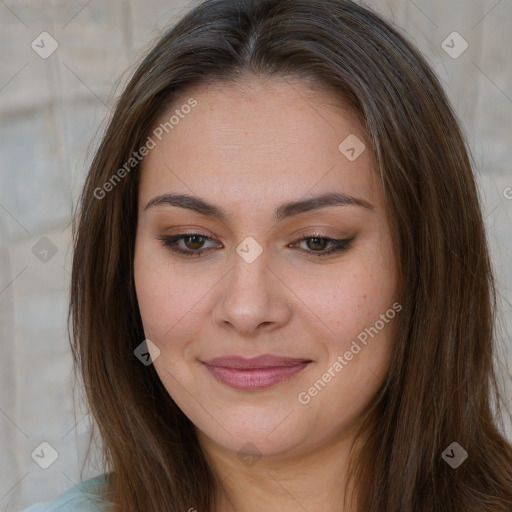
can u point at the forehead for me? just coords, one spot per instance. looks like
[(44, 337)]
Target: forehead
[(257, 138)]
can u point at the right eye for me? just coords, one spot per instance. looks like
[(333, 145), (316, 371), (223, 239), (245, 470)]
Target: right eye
[(193, 243)]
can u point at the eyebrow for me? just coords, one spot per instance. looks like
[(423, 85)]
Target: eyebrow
[(285, 210)]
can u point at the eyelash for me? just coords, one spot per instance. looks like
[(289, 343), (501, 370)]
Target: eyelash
[(339, 245)]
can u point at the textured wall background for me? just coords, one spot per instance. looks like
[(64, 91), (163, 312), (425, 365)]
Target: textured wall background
[(51, 108)]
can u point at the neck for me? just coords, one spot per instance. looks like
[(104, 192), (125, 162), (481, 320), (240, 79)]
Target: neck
[(314, 479)]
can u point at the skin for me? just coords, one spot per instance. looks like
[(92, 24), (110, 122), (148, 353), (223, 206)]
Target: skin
[(248, 147)]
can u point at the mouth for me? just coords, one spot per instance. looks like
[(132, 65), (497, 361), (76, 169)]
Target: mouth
[(256, 373)]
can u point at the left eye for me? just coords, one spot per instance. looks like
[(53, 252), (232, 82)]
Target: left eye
[(194, 243), (320, 242)]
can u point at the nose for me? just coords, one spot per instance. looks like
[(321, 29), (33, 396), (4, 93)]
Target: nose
[(254, 298)]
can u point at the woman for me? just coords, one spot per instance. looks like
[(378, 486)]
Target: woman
[(281, 292)]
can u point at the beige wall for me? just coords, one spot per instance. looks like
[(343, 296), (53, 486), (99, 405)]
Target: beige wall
[(50, 112)]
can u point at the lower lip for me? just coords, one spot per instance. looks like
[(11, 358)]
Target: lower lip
[(254, 378)]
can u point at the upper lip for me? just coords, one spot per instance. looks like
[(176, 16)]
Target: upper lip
[(263, 361)]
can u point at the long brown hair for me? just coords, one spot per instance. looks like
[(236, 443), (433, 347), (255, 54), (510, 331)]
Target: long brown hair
[(442, 383)]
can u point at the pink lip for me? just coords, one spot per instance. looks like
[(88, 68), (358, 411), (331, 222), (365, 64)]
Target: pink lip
[(255, 373)]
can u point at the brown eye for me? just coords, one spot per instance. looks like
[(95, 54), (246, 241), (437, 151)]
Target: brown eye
[(193, 244), (196, 241), (317, 245)]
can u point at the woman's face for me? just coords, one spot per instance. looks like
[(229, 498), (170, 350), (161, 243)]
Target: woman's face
[(259, 278)]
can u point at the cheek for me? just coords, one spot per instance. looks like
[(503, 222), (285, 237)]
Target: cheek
[(359, 351), (156, 284), (353, 297), (360, 314)]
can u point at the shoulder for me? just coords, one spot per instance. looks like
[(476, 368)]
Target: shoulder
[(83, 497)]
